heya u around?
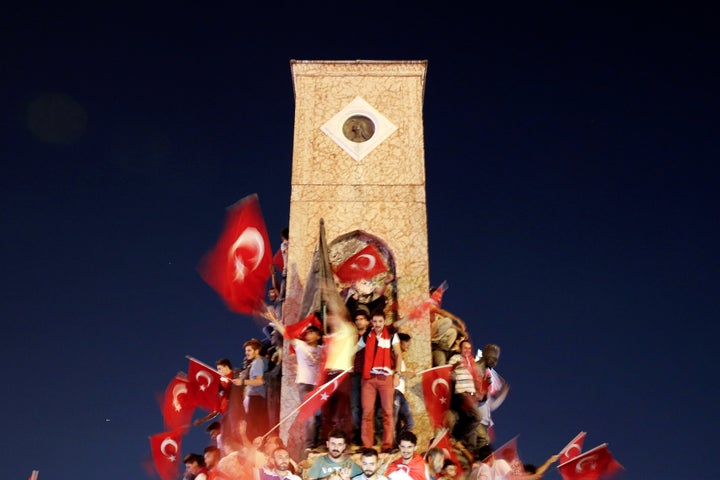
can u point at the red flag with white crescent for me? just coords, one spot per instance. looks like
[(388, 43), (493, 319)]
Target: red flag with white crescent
[(204, 383), (315, 399), (430, 304), (591, 465), (165, 448), (436, 385), (509, 453), (572, 449), (178, 404), (238, 267), (364, 265)]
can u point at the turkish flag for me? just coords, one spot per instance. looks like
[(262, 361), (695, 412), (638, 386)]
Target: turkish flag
[(509, 453), (415, 469), (572, 449), (436, 390), (442, 441), (591, 465), (297, 329), (165, 449), (431, 303), (178, 404), (315, 399), (277, 261), (364, 265), (204, 383), (238, 268)]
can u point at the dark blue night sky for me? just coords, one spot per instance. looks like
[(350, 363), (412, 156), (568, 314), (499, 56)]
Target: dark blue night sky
[(571, 158)]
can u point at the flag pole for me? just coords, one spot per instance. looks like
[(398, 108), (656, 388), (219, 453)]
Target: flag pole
[(319, 390), (430, 369), (436, 440), (201, 363)]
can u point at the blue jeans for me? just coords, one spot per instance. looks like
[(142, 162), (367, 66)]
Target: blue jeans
[(404, 420), (312, 422)]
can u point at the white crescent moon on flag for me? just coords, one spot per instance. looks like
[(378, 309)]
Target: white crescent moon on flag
[(253, 241), (435, 384), (580, 467), (178, 389), (169, 442), (205, 375), (572, 447), (370, 262)]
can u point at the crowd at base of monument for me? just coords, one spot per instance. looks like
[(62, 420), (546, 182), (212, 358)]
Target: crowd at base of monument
[(362, 427)]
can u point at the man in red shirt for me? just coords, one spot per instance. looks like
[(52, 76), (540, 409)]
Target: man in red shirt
[(380, 377)]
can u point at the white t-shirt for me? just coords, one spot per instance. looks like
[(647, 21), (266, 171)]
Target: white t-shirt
[(308, 362)]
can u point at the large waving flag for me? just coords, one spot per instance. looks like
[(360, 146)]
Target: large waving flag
[(363, 265), (591, 465), (436, 384), (572, 449), (204, 383), (178, 404), (165, 449), (238, 267)]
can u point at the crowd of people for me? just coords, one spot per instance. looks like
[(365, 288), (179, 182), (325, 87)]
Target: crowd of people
[(364, 429)]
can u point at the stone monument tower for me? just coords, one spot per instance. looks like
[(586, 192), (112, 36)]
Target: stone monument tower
[(358, 164)]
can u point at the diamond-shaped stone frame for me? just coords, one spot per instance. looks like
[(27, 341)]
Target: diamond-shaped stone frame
[(333, 128)]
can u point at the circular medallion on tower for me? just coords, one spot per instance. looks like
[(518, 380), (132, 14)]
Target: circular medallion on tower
[(358, 128)]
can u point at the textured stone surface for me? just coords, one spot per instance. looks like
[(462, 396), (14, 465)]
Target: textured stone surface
[(383, 194)]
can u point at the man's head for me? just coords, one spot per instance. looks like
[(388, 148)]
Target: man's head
[(213, 429), (466, 348), (212, 456), (435, 458), (449, 468), (407, 442), (224, 366), (312, 335), (281, 458), (336, 443), (404, 341), (369, 461), (194, 462), (272, 294), (378, 322), (485, 454), (361, 316), (491, 354), (252, 348)]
